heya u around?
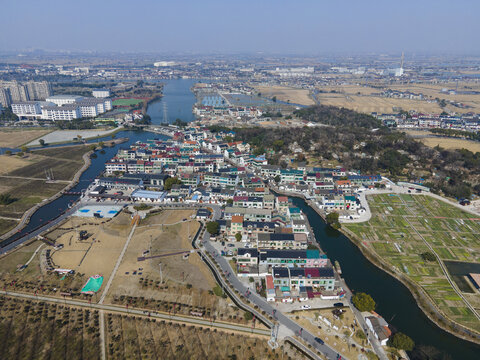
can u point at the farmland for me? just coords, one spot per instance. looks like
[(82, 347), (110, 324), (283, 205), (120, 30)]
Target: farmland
[(135, 338), (403, 227), (367, 99), (35, 330), (23, 177)]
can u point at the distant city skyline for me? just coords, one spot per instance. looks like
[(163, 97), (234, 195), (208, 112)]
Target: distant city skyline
[(300, 27)]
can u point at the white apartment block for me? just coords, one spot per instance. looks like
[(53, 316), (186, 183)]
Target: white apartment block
[(101, 93), (60, 100), (27, 109), (66, 112)]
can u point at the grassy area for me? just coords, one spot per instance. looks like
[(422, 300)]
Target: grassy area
[(397, 232), (34, 330), (126, 102), (7, 225)]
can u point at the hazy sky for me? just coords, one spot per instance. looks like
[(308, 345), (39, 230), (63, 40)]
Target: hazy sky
[(270, 26)]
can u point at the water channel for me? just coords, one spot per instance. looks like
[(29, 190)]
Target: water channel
[(393, 299)]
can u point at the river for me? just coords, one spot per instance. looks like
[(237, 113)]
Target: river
[(393, 299)]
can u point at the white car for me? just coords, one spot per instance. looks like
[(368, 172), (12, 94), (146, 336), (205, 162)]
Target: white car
[(306, 307)]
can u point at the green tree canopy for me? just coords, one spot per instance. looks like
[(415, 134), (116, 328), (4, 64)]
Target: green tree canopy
[(238, 236), (401, 341), (171, 181), (248, 315), (332, 220), (363, 302), (213, 227)]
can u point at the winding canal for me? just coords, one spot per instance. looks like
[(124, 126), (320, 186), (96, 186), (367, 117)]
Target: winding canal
[(393, 299)]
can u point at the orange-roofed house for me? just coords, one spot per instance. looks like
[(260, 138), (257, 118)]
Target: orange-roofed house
[(236, 225)]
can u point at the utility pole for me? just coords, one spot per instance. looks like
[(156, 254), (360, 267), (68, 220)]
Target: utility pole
[(161, 275)]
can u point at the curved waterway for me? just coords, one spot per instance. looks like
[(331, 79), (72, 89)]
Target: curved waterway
[(393, 299)]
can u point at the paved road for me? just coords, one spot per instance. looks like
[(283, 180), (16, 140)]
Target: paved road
[(38, 231), (260, 301), (379, 350), (32, 178), (117, 265), (136, 312)]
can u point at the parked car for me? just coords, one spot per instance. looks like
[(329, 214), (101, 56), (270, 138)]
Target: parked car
[(306, 307), (231, 245), (320, 341), (339, 304)]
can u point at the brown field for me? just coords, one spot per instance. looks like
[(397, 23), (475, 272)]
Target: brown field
[(135, 338), (96, 255), (11, 163), (287, 94), (451, 143), (17, 137), (32, 278), (434, 91), (362, 98), (369, 104), (186, 281)]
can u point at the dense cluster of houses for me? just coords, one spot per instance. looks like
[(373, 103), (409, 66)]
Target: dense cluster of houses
[(211, 170), (465, 122)]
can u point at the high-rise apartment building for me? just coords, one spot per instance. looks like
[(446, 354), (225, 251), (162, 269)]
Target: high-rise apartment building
[(5, 97), (39, 90)]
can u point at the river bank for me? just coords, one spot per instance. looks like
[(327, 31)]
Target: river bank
[(423, 304), (24, 220)]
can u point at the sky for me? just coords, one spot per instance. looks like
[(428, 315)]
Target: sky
[(242, 26)]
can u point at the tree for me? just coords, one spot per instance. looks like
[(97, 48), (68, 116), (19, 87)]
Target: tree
[(180, 123), (248, 315), (92, 147), (277, 178), (401, 341), (101, 144), (230, 202), (238, 236), (171, 181), (42, 142), (213, 227), (332, 220), (274, 99), (363, 302), (6, 199), (24, 149), (428, 256)]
